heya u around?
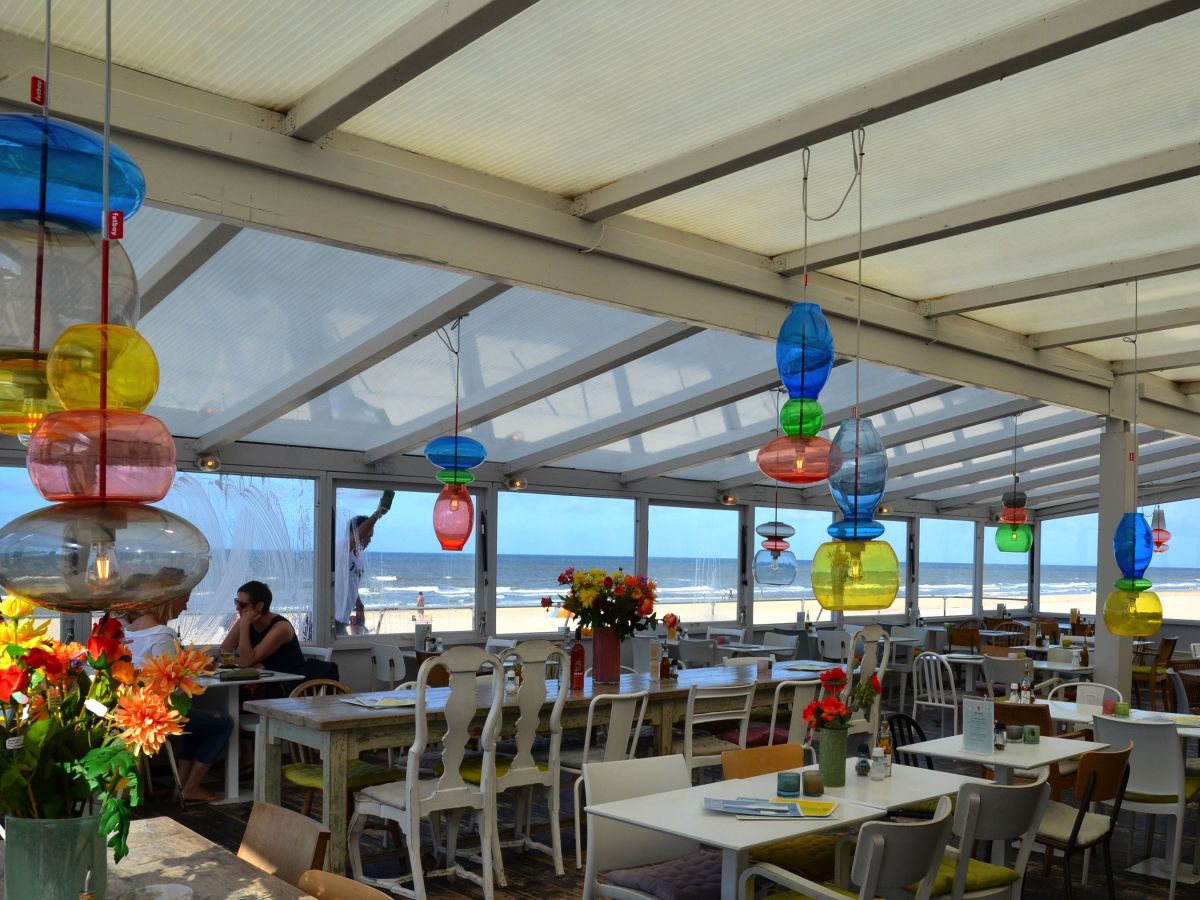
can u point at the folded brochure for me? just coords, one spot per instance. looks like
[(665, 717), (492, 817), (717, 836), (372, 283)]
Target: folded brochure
[(778, 808), (380, 702)]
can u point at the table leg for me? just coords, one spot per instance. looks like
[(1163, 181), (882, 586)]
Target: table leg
[(662, 732), (334, 798), (233, 746), (732, 864), (268, 758)]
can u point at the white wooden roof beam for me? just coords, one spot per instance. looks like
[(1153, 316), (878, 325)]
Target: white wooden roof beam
[(1040, 286), (1190, 388), (1115, 328), (1146, 486), (295, 389), (1123, 177), (1158, 363), (178, 264), (430, 37), (518, 392), (1060, 33)]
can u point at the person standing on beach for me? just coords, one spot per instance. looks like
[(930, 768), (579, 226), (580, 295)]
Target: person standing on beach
[(349, 615), (421, 606)]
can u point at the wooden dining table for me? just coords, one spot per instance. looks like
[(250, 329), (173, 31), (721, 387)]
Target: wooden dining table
[(161, 851), (340, 731)]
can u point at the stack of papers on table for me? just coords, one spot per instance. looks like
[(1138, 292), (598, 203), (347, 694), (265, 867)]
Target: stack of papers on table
[(380, 702), (752, 808)]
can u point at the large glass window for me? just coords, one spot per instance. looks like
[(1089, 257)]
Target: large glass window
[(1176, 572), (895, 533), (403, 575), (1068, 564), (775, 603), (1005, 575), (946, 569), (693, 556), (540, 535)]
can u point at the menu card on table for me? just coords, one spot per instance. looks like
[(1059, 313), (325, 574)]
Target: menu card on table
[(979, 718), (755, 808)]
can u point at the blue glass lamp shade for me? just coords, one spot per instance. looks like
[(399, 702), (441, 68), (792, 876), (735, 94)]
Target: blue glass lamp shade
[(859, 475), (455, 454), (74, 160), (804, 351), (1133, 548)]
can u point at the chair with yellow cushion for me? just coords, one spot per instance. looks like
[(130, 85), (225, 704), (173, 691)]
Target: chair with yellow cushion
[(1000, 814), (892, 858), (1159, 785), (1153, 676), (812, 855)]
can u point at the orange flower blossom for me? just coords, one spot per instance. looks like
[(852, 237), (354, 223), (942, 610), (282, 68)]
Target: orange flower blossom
[(145, 720)]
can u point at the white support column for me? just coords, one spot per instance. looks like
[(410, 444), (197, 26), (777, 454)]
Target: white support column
[(1035, 569), (1118, 495), (913, 601), (324, 517), (488, 502), (977, 571), (747, 548), (641, 536)]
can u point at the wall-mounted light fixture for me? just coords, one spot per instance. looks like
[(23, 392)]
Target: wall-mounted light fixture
[(516, 482), (209, 462), (727, 499)]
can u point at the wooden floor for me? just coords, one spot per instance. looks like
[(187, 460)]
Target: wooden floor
[(531, 875)]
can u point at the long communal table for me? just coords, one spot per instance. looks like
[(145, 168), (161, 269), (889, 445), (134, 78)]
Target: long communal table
[(340, 731)]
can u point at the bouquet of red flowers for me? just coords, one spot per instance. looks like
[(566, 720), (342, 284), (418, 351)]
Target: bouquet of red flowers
[(831, 711)]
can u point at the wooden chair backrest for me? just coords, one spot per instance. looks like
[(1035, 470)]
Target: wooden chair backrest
[(283, 843), (1025, 714), (963, 637), (761, 760), (1166, 649), (327, 886), (439, 677), (1109, 767)]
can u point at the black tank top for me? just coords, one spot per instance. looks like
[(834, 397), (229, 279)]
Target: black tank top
[(288, 658)]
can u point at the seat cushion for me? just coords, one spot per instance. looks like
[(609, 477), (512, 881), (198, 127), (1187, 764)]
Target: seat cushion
[(472, 769), (704, 745), (757, 735), (393, 794), (696, 876), (1059, 819), (1191, 785), (811, 855), (981, 876), (572, 757), (359, 774)]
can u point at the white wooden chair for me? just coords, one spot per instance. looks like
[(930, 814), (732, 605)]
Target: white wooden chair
[(387, 666), (793, 697), (833, 644), (496, 646), (628, 854), (889, 857), (750, 661), (726, 635), (873, 660), (933, 686), (310, 651), (414, 799), (703, 749), (788, 644), (696, 653), (997, 670), (904, 654)]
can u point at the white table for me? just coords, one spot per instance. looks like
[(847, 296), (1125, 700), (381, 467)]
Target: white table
[(972, 661), (908, 784), (682, 813), (1187, 725), (233, 706)]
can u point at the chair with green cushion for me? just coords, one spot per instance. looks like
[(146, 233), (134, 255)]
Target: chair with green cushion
[(1000, 814), (892, 858), (1153, 676), (1158, 782)]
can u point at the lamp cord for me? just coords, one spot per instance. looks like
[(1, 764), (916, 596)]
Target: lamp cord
[(40, 269), (104, 251), (456, 352)]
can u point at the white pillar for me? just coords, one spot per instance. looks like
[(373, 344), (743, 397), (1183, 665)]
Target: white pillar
[(1118, 495)]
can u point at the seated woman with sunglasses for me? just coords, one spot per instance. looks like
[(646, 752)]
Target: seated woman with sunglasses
[(261, 638)]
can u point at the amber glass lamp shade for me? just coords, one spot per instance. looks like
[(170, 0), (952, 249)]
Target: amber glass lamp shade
[(855, 575), (116, 557), (1014, 538), (68, 449), (1014, 515), (79, 354), (795, 459), (1133, 613), (453, 517), (25, 395)]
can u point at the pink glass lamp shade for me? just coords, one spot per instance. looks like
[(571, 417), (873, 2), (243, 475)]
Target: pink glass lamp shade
[(118, 557), (25, 395), (68, 448), (796, 459), (453, 517), (1014, 515), (79, 354)]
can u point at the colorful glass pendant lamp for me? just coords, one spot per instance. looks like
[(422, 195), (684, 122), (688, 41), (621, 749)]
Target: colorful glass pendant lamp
[(1132, 609), (1158, 530), (854, 572), (775, 563), (91, 449), (456, 455), (1014, 534)]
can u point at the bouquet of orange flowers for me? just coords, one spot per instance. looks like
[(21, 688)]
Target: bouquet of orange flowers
[(75, 718), (830, 711), (599, 599)]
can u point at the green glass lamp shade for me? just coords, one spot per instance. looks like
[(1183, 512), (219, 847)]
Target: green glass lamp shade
[(855, 575), (1133, 613), (801, 416), (1014, 538)]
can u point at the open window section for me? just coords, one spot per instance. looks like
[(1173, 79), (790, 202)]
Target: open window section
[(693, 556), (1068, 565), (779, 604), (389, 570), (539, 536), (946, 569), (1005, 576)]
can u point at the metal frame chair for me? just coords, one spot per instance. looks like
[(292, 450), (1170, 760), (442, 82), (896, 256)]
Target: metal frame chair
[(932, 673), (803, 693)]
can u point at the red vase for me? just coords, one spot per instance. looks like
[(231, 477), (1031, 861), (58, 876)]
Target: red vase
[(606, 656)]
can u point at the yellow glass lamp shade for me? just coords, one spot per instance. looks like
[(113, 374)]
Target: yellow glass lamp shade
[(78, 355), (1133, 613), (855, 575), (25, 395)]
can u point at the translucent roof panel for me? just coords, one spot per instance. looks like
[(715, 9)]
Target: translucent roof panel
[(269, 52), (516, 337), (570, 95), (1152, 344), (1106, 304), (1027, 129), (152, 233), (995, 429), (267, 309), (1129, 226)]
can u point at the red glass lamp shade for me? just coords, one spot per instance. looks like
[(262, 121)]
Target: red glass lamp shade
[(1161, 536), (796, 459), (25, 395), (453, 517), (1014, 515), (68, 448)]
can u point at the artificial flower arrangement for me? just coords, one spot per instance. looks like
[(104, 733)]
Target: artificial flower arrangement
[(599, 599), (830, 711), (76, 717)]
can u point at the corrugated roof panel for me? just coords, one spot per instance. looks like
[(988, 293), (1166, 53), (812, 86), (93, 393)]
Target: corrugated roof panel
[(151, 233), (266, 52), (1025, 130), (569, 96), (1156, 343)]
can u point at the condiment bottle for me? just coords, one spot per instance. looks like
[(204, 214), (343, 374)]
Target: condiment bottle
[(577, 661), (878, 765), (885, 741), (664, 665), (1014, 693)]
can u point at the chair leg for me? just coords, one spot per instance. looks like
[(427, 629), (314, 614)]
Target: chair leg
[(358, 824), (1066, 864), (1108, 873), (578, 818), (556, 829), (306, 806), (413, 841), (1047, 861)]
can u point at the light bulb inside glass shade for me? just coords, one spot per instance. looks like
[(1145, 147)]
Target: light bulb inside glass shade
[(775, 567), (130, 368), (795, 459), (25, 395), (453, 517), (1133, 613), (70, 279), (855, 575), (116, 557)]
